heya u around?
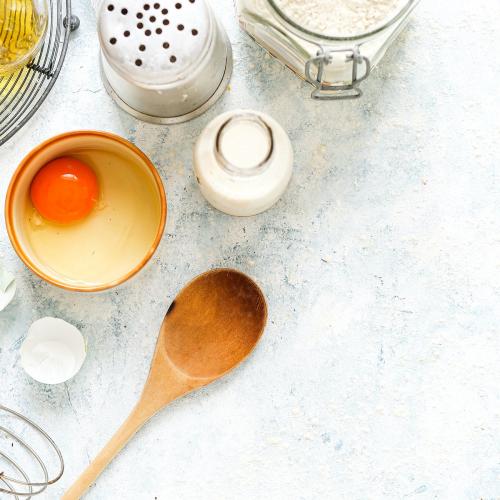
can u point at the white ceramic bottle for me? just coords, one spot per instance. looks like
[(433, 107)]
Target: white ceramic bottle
[(243, 162)]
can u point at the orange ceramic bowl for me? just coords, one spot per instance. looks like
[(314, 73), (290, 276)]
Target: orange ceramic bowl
[(116, 240)]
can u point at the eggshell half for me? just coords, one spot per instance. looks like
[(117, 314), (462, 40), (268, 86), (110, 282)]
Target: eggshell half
[(7, 288), (53, 351)]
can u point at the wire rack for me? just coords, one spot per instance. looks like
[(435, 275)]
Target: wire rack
[(22, 93)]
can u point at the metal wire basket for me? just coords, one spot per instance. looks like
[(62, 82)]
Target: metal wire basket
[(22, 93)]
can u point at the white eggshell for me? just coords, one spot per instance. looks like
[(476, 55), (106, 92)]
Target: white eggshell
[(53, 351), (7, 288)]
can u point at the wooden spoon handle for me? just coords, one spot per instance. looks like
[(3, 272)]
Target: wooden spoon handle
[(139, 416)]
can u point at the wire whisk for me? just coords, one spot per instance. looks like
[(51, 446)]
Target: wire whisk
[(17, 482)]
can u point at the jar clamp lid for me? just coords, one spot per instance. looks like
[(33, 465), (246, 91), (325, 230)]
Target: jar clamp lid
[(332, 49)]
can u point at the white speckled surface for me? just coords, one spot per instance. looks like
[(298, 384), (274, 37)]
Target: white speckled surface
[(378, 374)]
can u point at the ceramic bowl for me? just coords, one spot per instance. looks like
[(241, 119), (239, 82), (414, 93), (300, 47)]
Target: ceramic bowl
[(112, 245)]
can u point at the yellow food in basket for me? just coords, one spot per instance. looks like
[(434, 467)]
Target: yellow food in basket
[(12, 83), (22, 27)]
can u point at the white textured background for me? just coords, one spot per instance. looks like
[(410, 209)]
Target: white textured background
[(378, 376)]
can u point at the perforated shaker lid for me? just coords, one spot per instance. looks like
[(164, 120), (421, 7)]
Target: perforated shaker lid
[(154, 42)]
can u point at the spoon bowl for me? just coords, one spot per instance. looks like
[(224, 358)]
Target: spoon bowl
[(213, 324)]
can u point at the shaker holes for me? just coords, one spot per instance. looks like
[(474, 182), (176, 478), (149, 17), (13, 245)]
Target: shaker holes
[(148, 32)]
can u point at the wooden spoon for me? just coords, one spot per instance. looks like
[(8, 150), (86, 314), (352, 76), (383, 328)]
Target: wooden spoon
[(212, 325)]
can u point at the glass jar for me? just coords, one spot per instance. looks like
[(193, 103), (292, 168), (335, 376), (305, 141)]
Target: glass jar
[(335, 64), (23, 24), (243, 162)]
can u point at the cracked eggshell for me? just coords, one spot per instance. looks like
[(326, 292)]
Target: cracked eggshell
[(53, 351), (7, 288)]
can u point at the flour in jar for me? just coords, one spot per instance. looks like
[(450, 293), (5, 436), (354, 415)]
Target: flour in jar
[(340, 17)]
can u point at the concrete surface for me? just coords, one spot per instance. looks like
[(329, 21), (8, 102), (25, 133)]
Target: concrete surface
[(378, 374)]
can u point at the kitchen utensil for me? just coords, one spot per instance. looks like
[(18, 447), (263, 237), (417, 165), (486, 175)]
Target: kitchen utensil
[(14, 478), (23, 92), (164, 61), (333, 64), (53, 351), (212, 325), (110, 252)]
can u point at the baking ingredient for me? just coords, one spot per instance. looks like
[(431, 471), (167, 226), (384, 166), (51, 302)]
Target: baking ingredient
[(53, 351), (22, 25), (7, 288), (114, 237), (340, 17), (309, 37), (243, 162), (245, 143), (64, 190)]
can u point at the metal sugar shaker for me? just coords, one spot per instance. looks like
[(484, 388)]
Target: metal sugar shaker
[(164, 61)]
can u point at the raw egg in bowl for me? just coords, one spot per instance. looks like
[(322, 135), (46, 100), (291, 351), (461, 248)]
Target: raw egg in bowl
[(85, 210)]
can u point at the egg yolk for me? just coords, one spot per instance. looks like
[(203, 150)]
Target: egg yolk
[(64, 190)]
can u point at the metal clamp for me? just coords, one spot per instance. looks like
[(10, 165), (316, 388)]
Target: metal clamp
[(324, 90)]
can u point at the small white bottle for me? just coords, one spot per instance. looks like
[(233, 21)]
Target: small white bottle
[(243, 162)]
